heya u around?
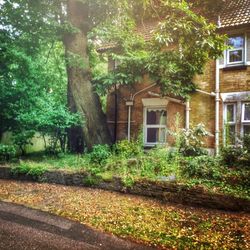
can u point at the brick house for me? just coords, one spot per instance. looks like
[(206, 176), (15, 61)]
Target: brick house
[(222, 96)]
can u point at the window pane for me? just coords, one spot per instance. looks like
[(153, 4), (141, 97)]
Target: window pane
[(246, 129), (156, 117), (155, 135), (230, 134), (236, 56), (247, 112), (236, 41), (230, 113)]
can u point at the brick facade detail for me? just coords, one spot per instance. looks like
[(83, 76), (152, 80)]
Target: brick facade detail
[(234, 79)]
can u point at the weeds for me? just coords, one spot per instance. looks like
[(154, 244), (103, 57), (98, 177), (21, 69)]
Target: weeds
[(29, 168)]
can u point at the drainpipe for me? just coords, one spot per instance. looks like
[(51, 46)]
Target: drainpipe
[(130, 104), (116, 114), (217, 108), (188, 114)]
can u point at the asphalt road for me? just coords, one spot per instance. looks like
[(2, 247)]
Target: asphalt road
[(23, 228)]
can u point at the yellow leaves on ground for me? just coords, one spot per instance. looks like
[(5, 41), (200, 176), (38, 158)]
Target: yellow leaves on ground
[(142, 219)]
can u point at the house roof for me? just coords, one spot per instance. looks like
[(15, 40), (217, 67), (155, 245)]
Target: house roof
[(235, 13), (145, 29)]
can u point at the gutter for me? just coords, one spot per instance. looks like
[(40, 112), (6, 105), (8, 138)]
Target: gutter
[(205, 92)]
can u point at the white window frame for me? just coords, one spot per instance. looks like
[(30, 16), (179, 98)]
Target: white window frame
[(234, 114), (243, 112), (146, 126), (235, 49), (243, 121), (233, 122)]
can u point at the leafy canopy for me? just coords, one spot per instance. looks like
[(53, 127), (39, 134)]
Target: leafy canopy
[(179, 47)]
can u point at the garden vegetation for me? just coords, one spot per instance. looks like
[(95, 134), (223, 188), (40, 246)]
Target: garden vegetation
[(186, 163)]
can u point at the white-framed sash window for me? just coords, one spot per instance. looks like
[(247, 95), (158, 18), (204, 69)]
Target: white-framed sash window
[(245, 121), (230, 110), (155, 128), (236, 52)]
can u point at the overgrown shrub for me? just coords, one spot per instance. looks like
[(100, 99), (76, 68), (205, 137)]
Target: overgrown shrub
[(7, 152), (128, 149), (190, 142), (159, 162), (23, 138), (235, 156), (29, 168), (202, 167), (246, 143), (100, 153)]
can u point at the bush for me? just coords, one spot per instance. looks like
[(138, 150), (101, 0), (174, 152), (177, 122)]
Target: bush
[(128, 149), (7, 152), (100, 153), (189, 142), (246, 143), (236, 156), (202, 167), (29, 168), (22, 139)]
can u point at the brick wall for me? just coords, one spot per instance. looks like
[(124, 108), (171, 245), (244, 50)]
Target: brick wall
[(202, 105), (235, 80), (124, 93)]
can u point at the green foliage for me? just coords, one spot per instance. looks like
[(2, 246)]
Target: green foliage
[(179, 47), (29, 168), (238, 154), (7, 152), (206, 167), (246, 142), (159, 164), (41, 89), (128, 149), (100, 153), (91, 180), (234, 156), (54, 120), (23, 138), (190, 141), (32, 68)]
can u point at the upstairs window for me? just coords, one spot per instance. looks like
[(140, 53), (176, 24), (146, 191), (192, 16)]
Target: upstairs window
[(236, 52)]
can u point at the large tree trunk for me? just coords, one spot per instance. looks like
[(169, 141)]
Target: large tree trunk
[(86, 101), (75, 134)]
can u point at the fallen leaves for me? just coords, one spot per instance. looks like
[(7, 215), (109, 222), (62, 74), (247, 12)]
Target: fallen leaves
[(142, 219)]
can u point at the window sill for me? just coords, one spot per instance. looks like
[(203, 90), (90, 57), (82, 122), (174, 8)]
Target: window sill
[(154, 145), (234, 67)]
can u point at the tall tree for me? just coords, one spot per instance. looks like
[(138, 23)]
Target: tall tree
[(84, 98)]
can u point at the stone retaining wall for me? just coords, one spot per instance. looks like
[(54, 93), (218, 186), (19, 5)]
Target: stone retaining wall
[(163, 191)]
